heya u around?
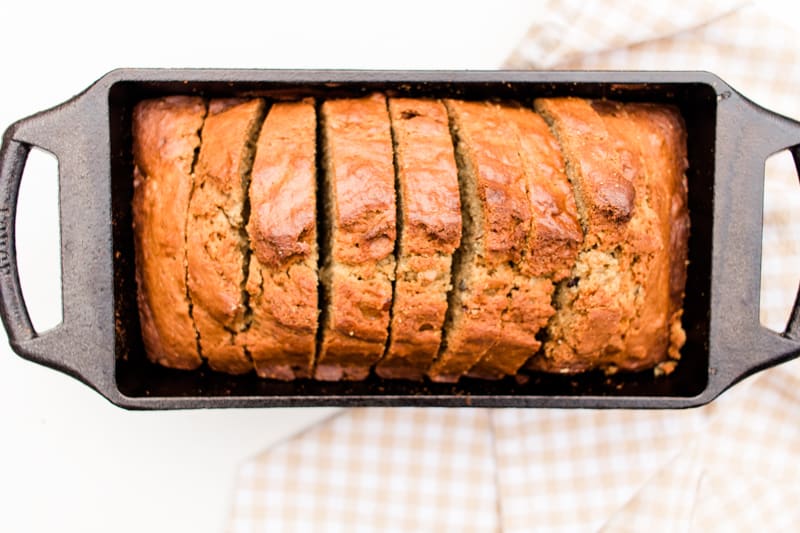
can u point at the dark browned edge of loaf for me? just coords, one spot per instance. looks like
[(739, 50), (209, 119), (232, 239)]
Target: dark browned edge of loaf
[(165, 140)]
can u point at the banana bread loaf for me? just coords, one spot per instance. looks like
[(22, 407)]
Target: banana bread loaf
[(445, 238)]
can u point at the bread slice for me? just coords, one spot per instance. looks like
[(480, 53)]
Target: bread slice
[(495, 224), (553, 241), (647, 337), (661, 136), (165, 138), (597, 305), (218, 247), (282, 278), (358, 196), (429, 232)]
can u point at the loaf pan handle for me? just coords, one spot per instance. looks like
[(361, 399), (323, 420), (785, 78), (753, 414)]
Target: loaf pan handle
[(76, 132), (13, 156), (739, 345), (792, 330)]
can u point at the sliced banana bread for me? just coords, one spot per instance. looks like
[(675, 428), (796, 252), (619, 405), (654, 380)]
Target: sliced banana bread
[(495, 225), (358, 196), (218, 246), (429, 226), (165, 138), (599, 303), (553, 241), (559, 237), (646, 339), (661, 134), (282, 278)]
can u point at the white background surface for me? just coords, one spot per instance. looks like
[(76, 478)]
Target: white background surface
[(69, 460)]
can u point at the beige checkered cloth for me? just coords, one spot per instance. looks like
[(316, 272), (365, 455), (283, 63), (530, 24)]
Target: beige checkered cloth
[(731, 466)]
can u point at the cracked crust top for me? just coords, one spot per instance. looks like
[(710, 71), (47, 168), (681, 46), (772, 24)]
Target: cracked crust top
[(553, 241), (501, 191), (165, 137), (359, 200), (431, 215), (496, 222), (604, 194), (360, 161), (428, 196), (282, 279), (283, 186), (555, 234), (217, 243)]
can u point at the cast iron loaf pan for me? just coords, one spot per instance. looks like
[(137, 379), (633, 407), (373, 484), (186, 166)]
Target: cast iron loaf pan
[(99, 341)]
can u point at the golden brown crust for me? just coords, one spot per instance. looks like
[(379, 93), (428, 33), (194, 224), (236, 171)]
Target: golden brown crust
[(646, 338), (604, 195), (282, 278), (596, 305), (614, 311), (428, 176), (360, 208), (501, 188), (498, 212), (553, 241), (427, 180), (556, 233), (359, 148), (662, 135), (216, 245), (165, 136)]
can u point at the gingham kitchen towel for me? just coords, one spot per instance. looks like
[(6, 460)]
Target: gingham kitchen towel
[(731, 466), (375, 470)]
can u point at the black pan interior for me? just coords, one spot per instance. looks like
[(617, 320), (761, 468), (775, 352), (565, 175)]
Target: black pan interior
[(136, 377)]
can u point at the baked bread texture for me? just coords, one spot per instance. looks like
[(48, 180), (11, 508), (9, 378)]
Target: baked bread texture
[(596, 304), (358, 268), (661, 135), (429, 225), (416, 237), (217, 242), (282, 275), (612, 311), (495, 225), (551, 247), (165, 138)]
